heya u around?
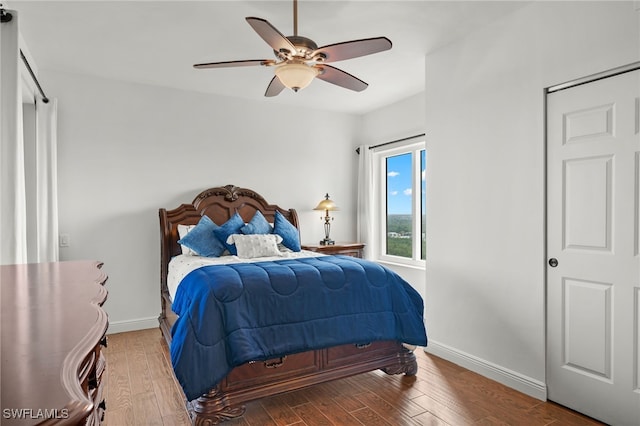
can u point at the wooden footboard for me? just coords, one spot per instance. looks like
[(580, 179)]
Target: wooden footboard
[(260, 379)]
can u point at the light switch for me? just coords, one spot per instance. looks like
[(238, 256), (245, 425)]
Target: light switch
[(65, 240)]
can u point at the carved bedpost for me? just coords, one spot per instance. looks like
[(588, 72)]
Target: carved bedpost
[(406, 364), (212, 408)]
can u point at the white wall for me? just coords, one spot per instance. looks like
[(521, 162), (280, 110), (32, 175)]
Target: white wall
[(125, 150), (485, 172), (396, 121)]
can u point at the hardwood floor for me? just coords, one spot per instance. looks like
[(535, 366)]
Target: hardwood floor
[(141, 390)]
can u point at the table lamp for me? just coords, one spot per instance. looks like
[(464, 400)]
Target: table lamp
[(327, 205)]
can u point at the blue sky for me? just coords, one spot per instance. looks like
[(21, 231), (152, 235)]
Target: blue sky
[(399, 192)]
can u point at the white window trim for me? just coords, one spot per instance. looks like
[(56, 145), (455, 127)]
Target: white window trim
[(379, 201)]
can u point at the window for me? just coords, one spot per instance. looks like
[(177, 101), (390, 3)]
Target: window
[(401, 204)]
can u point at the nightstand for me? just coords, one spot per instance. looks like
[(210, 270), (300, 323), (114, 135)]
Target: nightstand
[(348, 249)]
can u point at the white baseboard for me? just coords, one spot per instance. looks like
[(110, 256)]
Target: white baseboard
[(132, 325), (512, 379)]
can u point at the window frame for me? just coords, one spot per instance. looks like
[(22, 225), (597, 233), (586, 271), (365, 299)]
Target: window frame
[(380, 156)]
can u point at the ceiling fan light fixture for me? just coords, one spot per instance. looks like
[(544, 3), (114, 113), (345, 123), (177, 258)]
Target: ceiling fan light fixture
[(299, 59), (295, 75)]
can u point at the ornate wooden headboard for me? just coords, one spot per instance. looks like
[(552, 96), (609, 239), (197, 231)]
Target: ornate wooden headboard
[(219, 203)]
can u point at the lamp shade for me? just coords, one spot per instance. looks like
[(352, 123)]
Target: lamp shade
[(326, 204), (295, 75)]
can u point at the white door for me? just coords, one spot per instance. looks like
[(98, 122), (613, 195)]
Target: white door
[(593, 238)]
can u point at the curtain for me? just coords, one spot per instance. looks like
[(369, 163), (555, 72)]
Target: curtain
[(13, 223), (21, 205), (365, 208), (46, 209)]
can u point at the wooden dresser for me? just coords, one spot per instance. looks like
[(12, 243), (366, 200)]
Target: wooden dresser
[(53, 327)]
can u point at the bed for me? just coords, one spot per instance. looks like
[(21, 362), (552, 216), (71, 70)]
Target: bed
[(273, 364)]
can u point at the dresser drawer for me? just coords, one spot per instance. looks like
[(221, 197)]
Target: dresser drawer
[(99, 404), (346, 354), (351, 252), (271, 370), (86, 371), (346, 249)]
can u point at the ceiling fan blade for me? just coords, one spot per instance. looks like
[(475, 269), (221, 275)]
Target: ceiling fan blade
[(228, 64), (271, 35), (353, 49), (340, 78), (274, 88)]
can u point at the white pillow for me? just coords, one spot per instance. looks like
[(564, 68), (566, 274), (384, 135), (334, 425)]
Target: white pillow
[(182, 231), (256, 245)]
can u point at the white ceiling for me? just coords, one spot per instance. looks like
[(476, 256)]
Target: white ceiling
[(157, 42)]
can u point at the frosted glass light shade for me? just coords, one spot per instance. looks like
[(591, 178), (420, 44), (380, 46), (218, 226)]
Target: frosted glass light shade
[(296, 76), (326, 204)]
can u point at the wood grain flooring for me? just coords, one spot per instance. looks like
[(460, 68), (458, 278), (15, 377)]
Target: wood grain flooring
[(141, 390)]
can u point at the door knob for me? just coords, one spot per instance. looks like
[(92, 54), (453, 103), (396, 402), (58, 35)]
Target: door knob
[(553, 262)]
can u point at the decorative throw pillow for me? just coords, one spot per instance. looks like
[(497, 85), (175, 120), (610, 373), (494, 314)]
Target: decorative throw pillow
[(232, 226), (288, 232), (202, 240), (183, 230), (258, 225), (256, 245)]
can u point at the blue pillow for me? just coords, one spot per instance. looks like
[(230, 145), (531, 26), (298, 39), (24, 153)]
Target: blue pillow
[(288, 232), (202, 239), (258, 225), (232, 226)]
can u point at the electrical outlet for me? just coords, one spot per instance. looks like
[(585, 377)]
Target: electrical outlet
[(64, 240)]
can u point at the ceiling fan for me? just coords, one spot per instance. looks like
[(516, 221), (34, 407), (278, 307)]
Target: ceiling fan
[(299, 60)]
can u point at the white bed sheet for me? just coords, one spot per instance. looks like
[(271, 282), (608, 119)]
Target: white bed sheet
[(181, 265)]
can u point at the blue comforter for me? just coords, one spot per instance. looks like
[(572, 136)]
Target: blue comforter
[(232, 314)]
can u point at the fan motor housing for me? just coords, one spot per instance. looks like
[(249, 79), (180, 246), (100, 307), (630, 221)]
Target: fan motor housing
[(304, 47)]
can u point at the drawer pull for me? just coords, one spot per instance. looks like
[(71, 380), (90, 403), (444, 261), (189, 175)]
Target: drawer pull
[(363, 345), (275, 364), (103, 342)]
